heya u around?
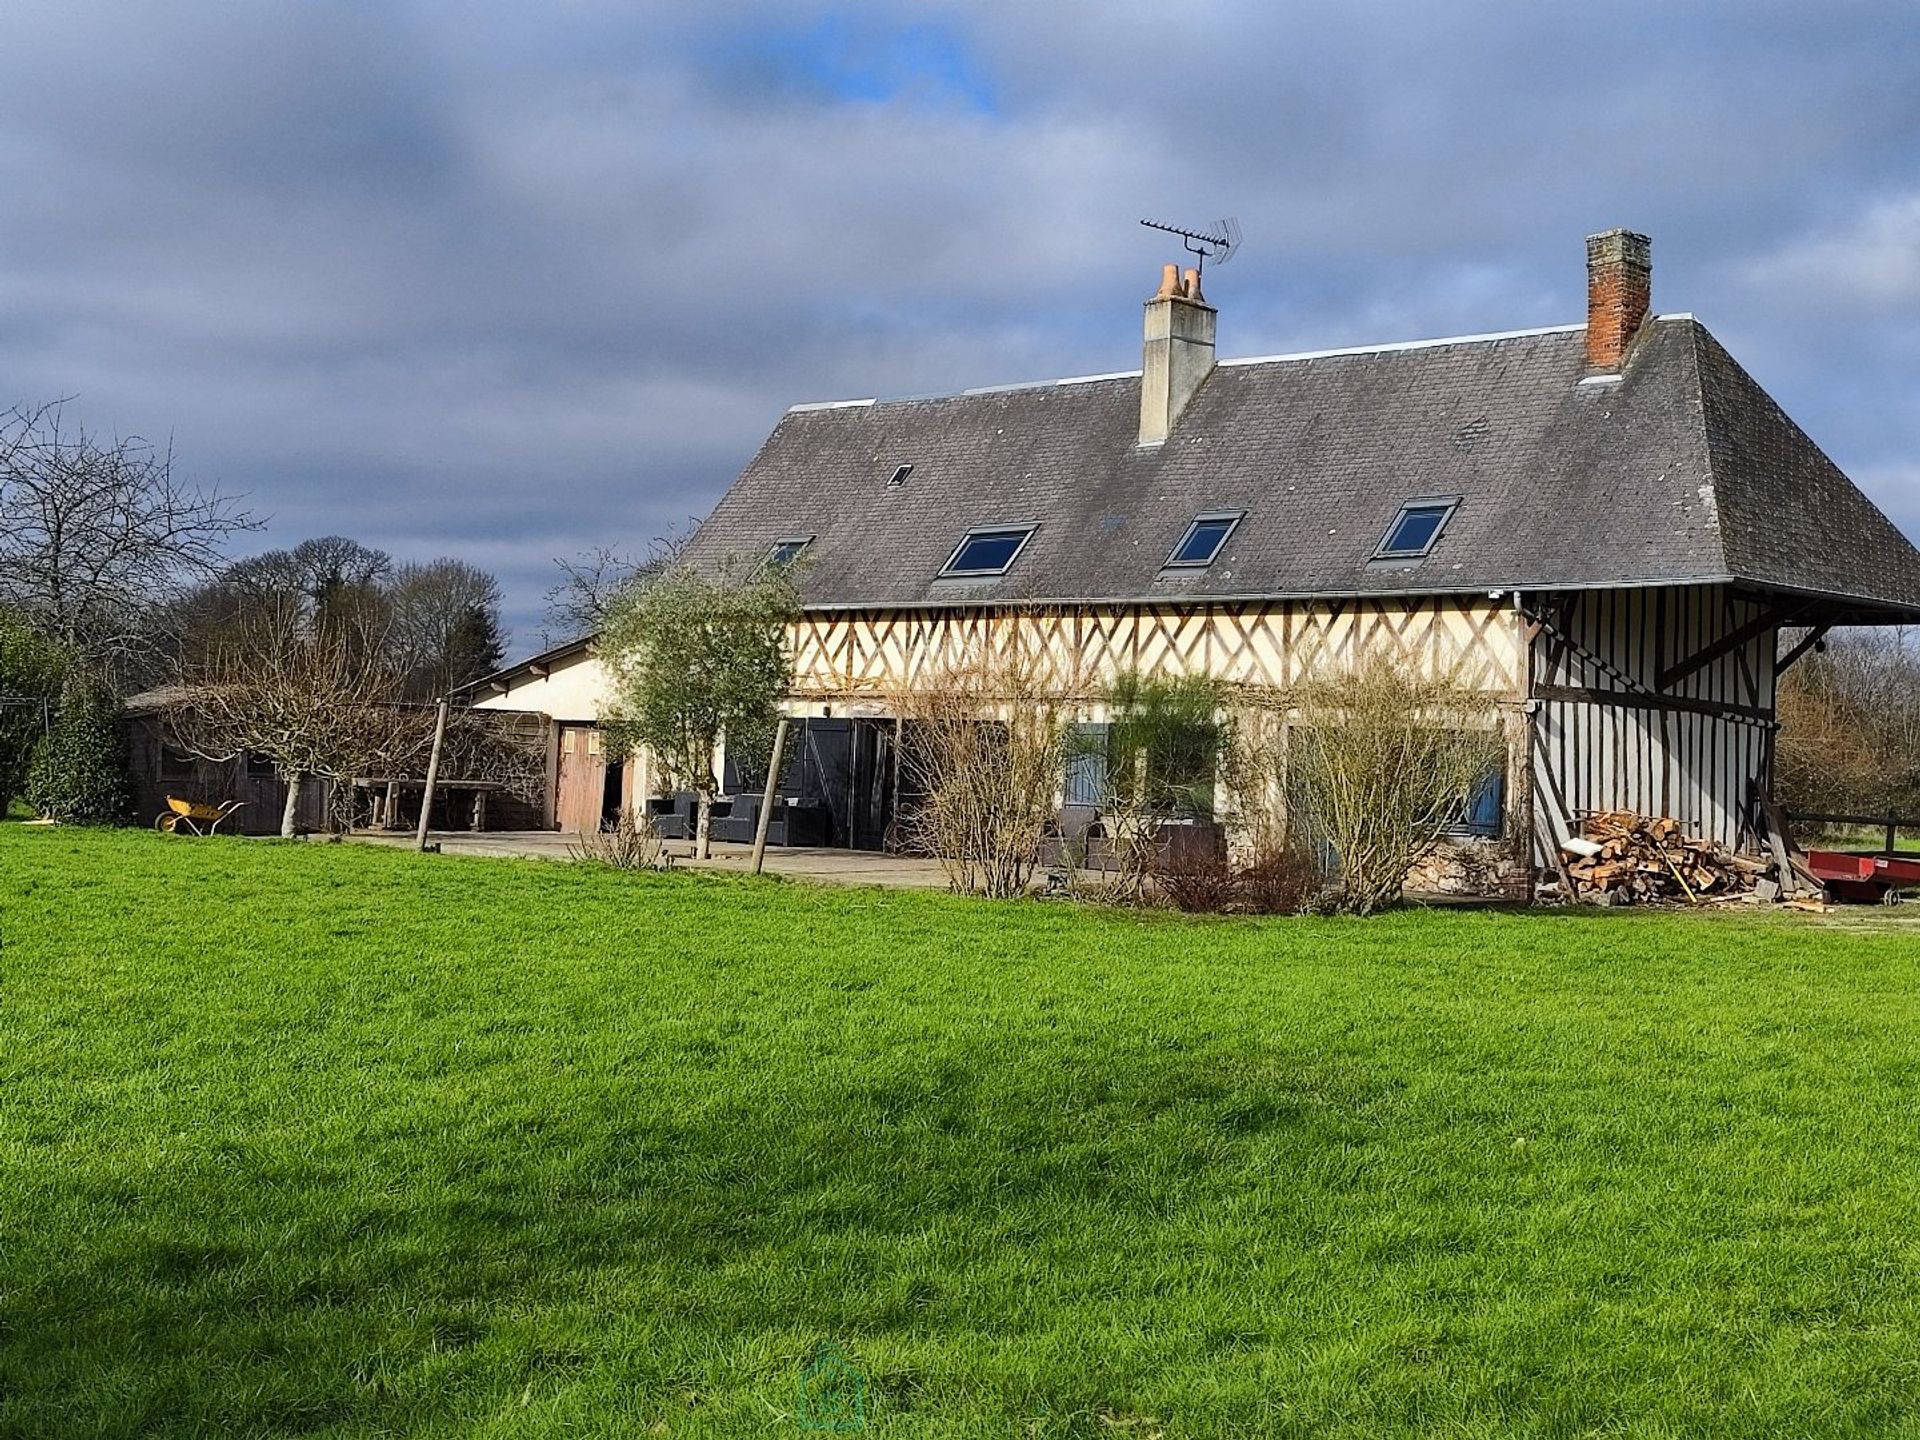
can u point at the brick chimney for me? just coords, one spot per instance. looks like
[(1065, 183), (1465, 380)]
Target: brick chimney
[(1178, 354), (1619, 291)]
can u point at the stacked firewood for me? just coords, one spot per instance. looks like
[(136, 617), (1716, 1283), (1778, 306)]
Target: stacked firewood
[(1625, 859)]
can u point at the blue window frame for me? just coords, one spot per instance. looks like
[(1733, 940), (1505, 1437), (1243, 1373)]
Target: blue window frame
[(988, 551), (1086, 782), (1201, 544), (785, 552), (1415, 529), (1481, 815)]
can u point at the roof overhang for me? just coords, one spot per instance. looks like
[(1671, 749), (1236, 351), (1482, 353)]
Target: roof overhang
[(534, 667)]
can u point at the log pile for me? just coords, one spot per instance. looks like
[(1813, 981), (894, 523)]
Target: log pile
[(1625, 859)]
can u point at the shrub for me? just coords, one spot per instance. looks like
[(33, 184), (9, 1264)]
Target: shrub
[(986, 741), (1381, 763), (1279, 882), (630, 843), (79, 768), (1282, 882), (31, 670), (1200, 883)]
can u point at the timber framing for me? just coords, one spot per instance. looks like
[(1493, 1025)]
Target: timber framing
[(1805, 643), (1773, 617)]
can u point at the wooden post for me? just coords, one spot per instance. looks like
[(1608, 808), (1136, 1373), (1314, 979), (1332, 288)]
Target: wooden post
[(766, 798), (433, 775)]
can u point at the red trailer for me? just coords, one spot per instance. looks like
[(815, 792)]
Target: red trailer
[(1864, 877)]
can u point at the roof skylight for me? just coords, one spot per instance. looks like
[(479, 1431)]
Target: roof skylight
[(1201, 544), (988, 551), (1415, 529), (785, 552)]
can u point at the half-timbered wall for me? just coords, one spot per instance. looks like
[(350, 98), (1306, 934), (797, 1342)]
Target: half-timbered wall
[(1608, 736), (875, 653)]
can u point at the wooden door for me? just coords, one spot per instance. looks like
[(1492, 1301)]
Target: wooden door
[(580, 787)]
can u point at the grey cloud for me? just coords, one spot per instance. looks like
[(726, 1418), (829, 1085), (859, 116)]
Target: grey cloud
[(509, 281)]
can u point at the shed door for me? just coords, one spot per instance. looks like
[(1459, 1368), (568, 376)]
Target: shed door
[(582, 780)]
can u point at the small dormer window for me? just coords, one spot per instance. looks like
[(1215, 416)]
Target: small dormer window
[(988, 551), (1415, 529), (1199, 547), (899, 476), (785, 552)]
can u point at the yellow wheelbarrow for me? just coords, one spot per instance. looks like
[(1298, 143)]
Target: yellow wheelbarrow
[(193, 817)]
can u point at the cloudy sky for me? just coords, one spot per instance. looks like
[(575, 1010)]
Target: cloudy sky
[(509, 280)]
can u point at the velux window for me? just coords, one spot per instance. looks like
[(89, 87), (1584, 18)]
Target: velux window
[(785, 552), (1201, 544), (988, 552), (1415, 529)]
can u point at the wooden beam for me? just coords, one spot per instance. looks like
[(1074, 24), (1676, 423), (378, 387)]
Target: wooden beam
[(1771, 618), (1641, 700), (765, 817), (1805, 643)]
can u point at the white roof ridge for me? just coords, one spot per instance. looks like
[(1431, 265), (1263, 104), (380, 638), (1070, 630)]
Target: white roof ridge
[(1399, 345), (1388, 348)]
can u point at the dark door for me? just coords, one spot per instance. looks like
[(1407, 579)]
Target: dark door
[(871, 806), (829, 774)]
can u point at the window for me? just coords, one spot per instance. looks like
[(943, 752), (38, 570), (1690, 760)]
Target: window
[(1086, 780), (1415, 529), (785, 552), (988, 552), (259, 767), (1202, 542), (175, 764), (899, 477), (1481, 814)]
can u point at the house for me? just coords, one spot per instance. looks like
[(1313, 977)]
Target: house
[(1607, 525)]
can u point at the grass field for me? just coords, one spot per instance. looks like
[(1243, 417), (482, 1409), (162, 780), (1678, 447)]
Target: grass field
[(330, 1140)]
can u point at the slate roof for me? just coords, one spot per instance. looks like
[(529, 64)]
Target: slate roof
[(1684, 471)]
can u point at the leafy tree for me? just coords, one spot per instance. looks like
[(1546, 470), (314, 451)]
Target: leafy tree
[(79, 768), (694, 657), (1165, 741), (32, 668), (1160, 757)]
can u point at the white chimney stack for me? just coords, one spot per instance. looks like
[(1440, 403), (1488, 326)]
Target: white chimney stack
[(1178, 353)]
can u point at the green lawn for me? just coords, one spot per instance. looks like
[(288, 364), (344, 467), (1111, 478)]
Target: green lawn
[(330, 1140)]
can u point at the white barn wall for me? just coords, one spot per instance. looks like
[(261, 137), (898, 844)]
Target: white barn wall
[(1635, 753)]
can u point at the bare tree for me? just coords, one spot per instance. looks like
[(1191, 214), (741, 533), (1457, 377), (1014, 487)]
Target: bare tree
[(579, 602), (1380, 765), (329, 576), (317, 699), (987, 743), (1850, 725), (96, 534), (446, 625)]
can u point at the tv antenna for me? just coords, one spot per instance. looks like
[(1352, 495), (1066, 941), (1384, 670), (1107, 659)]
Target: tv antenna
[(1217, 245)]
